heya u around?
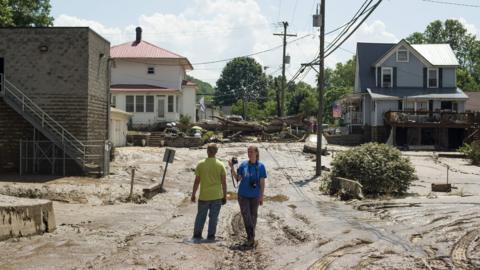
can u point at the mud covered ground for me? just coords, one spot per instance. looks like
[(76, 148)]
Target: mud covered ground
[(298, 227)]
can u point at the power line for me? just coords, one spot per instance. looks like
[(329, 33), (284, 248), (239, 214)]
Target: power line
[(252, 54), (452, 3)]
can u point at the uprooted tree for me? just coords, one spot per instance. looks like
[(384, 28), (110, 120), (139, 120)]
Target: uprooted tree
[(380, 168)]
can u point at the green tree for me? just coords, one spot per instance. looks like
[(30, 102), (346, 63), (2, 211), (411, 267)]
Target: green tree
[(466, 47), (302, 98), (241, 79), (17, 13), (338, 83)]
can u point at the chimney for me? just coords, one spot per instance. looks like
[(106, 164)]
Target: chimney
[(139, 34)]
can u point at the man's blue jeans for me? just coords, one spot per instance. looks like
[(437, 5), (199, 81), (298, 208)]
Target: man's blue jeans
[(212, 208)]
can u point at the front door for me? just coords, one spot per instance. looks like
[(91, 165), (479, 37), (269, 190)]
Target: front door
[(161, 108)]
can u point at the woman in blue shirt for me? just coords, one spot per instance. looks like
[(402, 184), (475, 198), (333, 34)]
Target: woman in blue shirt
[(251, 174)]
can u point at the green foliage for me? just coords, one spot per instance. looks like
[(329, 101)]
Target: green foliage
[(466, 47), (380, 168), (254, 112), (203, 89), (242, 78), (18, 13), (185, 119), (302, 98), (472, 151), (342, 76)]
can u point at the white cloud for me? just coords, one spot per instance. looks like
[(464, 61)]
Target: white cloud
[(114, 34), (471, 29), (211, 30)]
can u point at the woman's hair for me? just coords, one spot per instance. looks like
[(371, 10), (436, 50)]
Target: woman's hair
[(256, 151)]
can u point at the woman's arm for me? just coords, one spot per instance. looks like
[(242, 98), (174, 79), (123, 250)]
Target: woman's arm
[(232, 170)]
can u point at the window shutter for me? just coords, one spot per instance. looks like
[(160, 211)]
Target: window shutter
[(425, 78), (394, 77), (440, 77), (379, 76)]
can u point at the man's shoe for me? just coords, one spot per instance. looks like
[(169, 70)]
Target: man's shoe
[(211, 238)]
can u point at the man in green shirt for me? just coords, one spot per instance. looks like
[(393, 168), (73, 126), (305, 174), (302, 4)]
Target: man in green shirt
[(210, 174)]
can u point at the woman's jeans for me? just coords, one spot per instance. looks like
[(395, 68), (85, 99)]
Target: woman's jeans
[(249, 210)]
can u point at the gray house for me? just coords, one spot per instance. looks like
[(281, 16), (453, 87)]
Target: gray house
[(54, 101), (407, 94)]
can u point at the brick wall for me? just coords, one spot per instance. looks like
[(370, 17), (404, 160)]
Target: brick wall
[(69, 80), (12, 128)]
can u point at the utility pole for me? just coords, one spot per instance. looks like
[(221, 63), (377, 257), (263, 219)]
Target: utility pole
[(285, 35), (320, 84)]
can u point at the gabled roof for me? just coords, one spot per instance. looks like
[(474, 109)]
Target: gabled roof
[(437, 54), (416, 93), (145, 50), (432, 54), (367, 55), (118, 88)]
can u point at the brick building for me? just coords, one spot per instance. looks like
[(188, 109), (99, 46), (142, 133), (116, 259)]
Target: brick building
[(54, 100)]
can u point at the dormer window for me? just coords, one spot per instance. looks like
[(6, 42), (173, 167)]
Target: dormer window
[(387, 74), (151, 70), (432, 77), (403, 55)]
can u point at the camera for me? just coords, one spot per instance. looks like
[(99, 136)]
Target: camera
[(253, 183), (234, 160)]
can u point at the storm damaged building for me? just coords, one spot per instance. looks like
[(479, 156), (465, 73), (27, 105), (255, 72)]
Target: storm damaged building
[(54, 101), (407, 95)]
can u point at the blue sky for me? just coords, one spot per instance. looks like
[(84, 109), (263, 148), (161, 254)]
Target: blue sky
[(205, 30)]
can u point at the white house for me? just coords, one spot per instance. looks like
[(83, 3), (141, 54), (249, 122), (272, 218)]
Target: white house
[(149, 82)]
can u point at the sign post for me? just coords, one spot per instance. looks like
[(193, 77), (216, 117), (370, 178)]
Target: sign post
[(167, 158)]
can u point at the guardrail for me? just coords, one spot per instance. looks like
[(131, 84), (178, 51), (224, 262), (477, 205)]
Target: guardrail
[(422, 117)]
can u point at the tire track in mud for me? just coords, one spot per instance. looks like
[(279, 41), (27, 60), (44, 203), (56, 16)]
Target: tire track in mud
[(328, 259), (236, 257), (335, 212), (460, 251)]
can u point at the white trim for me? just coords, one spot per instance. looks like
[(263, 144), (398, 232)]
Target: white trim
[(408, 47), (403, 50), (391, 76), (428, 77), (376, 76)]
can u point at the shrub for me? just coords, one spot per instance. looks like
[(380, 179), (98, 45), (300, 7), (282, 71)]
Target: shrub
[(380, 168), (472, 151), (185, 119)]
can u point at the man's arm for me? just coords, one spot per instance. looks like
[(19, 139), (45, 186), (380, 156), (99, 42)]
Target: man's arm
[(195, 187), (262, 189), (224, 188)]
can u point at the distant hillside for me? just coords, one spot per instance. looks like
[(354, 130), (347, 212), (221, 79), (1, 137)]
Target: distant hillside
[(203, 87)]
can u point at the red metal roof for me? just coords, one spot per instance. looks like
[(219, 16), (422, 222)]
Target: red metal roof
[(145, 50), (118, 88)]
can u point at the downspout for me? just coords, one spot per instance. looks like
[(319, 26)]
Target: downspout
[(108, 144)]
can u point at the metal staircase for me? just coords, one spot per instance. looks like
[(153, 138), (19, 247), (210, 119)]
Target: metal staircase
[(86, 155)]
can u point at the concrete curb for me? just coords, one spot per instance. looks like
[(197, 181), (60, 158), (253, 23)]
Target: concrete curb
[(25, 217)]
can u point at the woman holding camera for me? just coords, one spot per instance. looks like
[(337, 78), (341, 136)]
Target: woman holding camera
[(251, 174)]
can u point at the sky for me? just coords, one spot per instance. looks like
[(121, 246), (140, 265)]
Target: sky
[(209, 30)]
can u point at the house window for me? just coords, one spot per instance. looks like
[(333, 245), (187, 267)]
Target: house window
[(400, 105), (114, 101), (402, 55), (150, 103), (170, 103), (151, 70), (432, 77), (139, 103), (130, 104), (449, 105), (409, 106), (387, 74)]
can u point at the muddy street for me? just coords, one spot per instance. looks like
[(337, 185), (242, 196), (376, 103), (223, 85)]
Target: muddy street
[(298, 226)]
